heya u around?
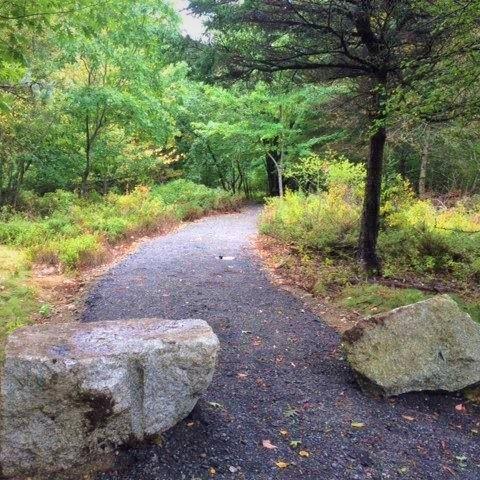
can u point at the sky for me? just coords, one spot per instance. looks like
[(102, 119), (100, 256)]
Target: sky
[(191, 25)]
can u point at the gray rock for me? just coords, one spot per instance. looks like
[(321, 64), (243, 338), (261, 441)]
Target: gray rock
[(430, 345), (76, 391)]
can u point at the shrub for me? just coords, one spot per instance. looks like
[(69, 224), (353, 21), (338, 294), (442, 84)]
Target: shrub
[(17, 297), (190, 200), (73, 253), (324, 222), (59, 227), (417, 238)]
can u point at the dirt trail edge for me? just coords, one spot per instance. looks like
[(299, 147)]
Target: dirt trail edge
[(280, 378)]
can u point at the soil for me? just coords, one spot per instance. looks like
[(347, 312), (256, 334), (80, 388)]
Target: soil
[(283, 404)]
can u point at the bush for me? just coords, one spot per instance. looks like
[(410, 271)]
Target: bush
[(417, 238), (327, 222), (72, 253), (60, 227), (190, 200), (17, 297)]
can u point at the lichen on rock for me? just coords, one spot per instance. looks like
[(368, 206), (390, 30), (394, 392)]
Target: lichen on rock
[(429, 345)]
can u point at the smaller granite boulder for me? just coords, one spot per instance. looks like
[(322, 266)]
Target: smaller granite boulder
[(429, 345), (73, 393)]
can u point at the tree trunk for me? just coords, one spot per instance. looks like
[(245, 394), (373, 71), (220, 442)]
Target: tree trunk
[(88, 158), (86, 173), (280, 179), (367, 249), (422, 181), (272, 175)]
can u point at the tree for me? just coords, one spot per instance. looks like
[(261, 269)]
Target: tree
[(240, 131), (384, 45), (117, 73)]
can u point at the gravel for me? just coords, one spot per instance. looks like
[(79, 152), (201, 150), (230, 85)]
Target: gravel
[(280, 377)]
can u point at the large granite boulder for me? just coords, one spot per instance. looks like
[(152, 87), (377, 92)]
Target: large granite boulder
[(76, 391), (430, 345)]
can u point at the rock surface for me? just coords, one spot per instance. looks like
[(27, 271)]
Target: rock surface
[(429, 345), (72, 392)]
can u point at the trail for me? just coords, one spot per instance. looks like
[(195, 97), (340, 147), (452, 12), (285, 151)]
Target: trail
[(280, 377)]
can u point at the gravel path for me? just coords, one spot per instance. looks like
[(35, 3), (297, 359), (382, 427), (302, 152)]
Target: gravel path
[(280, 377)]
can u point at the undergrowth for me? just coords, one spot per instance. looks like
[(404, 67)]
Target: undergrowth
[(60, 228), (17, 298), (419, 241)]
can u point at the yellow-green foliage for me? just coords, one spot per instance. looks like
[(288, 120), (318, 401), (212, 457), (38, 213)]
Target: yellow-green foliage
[(61, 228), (326, 221), (17, 298), (417, 237)]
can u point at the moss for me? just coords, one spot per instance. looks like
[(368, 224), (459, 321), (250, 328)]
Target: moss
[(373, 298)]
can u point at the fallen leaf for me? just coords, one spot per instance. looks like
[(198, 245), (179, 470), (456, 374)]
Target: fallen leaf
[(291, 412), (268, 444), (284, 433), (460, 407), (242, 375), (190, 424), (282, 464), (295, 443), (407, 417), (212, 471), (304, 453), (357, 425)]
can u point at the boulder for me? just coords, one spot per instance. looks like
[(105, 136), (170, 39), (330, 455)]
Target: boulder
[(74, 392), (429, 345)]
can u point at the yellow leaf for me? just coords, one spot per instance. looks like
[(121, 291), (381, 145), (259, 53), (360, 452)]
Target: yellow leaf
[(304, 453), (212, 471), (282, 464), (284, 433), (357, 425), (407, 417)]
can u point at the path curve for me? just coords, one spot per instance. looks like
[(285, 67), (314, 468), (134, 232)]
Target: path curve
[(279, 370)]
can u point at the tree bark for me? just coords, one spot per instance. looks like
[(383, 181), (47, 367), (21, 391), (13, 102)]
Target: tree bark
[(272, 175), (367, 249), (88, 158), (86, 173), (422, 181), (277, 160)]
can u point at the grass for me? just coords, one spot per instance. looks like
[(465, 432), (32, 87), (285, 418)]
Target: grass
[(370, 299), (17, 298)]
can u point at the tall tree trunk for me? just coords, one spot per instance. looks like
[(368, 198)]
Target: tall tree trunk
[(272, 175), (277, 160), (422, 181), (86, 173), (367, 249), (280, 178), (88, 158)]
